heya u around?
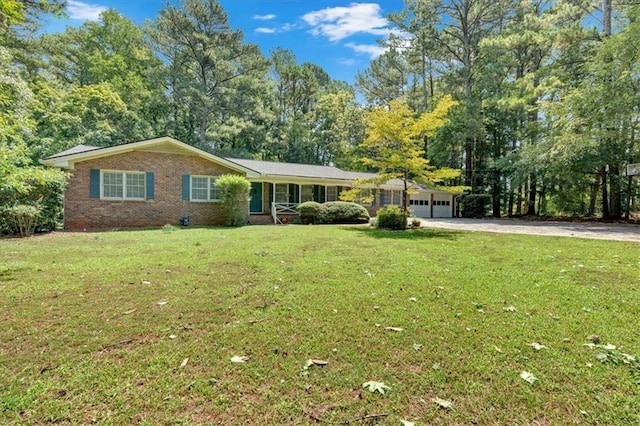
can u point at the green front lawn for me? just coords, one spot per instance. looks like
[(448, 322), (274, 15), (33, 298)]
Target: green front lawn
[(140, 327)]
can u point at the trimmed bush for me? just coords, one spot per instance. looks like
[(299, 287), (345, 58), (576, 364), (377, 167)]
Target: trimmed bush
[(342, 212), (475, 205), (392, 217), (33, 187), (309, 212), (22, 218), (234, 193)]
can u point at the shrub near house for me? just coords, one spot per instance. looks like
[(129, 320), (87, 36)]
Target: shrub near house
[(234, 193), (343, 212), (332, 212)]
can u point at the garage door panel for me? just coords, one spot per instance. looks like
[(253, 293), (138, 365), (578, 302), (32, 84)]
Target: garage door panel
[(420, 207)]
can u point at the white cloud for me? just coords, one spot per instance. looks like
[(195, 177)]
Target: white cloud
[(373, 50), (264, 17), (264, 30), (337, 23), (348, 62), (84, 11)]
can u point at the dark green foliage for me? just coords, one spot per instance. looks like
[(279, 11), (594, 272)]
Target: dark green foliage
[(309, 212), (391, 217), (234, 193), (31, 189), (475, 205), (343, 212)]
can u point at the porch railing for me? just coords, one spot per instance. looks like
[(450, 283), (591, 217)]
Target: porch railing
[(282, 209)]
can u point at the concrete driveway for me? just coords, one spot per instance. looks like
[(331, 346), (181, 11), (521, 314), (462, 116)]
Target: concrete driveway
[(602, 231)]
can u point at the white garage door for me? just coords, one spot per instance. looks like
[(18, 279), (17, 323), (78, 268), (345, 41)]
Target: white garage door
[(419, 204), (441, 206)]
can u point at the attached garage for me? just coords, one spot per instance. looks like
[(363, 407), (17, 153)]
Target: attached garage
[(442, 206), (420, 204), (427, 203)]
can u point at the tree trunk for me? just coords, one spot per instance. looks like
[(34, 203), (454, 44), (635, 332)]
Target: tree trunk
[(627, 210), (605, 195), (531, 203), (204, 123), (615, 193), (606, 17), (468, 162), (510, 203), (593, 197), (496, 193)]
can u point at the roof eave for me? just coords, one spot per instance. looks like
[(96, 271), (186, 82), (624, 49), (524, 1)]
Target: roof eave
[(68, 161)]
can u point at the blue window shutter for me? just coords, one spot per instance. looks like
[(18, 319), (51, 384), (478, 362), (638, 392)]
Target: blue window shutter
[(186, 187), (382, 191), (94, 183), (150, 188)]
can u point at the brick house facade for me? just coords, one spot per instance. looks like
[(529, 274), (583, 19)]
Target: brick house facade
[(164, 163), (167, 206), (161, 181)]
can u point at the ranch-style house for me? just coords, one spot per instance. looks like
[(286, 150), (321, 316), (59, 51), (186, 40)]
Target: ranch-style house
[(164, 181)]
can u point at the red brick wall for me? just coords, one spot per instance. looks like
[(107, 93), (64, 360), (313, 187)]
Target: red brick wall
[(83, 212)]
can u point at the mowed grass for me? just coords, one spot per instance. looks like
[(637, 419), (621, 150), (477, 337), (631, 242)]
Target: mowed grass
[(87, 337)]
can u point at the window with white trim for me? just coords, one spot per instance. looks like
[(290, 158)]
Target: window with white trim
[(306, 193), (393, 197), (203, 188), (123, 185), (332, 193), (281, 193)]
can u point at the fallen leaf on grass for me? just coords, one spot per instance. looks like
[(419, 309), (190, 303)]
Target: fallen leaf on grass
[(537, 346), (130, 311), (417, 346), (239, 359), (373, 387), (407, 423), (497, 349), (444, 403), (394, 328), (528, 377), (510, 309), (184, 362), (162, 303), (628, 358), (318, 362), (594, 338), (413, 299)]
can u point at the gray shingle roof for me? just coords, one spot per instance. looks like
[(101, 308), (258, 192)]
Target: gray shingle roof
[(273, 168), (75, 150)]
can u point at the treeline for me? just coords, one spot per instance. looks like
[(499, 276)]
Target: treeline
[(548, 93), (549, 97)]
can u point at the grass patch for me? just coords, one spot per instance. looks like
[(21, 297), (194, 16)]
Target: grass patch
[(97, 327)]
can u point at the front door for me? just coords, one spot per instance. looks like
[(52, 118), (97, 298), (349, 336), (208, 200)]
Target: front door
[(255, 205)]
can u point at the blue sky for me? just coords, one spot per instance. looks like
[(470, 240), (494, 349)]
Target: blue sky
[(338, 35)]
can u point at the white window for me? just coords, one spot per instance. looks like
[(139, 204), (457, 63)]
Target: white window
[(123, 185), (203, 188), (393, 197), (281, 193), (306, 193), (332, 193)]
